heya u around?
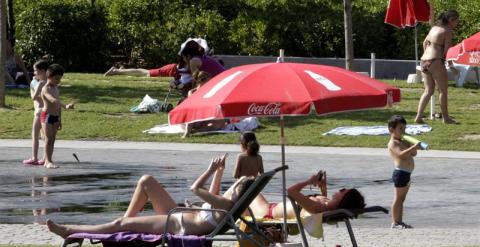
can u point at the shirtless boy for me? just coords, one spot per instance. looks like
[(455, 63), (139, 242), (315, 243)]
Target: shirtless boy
[(402, 154), (51, 112)]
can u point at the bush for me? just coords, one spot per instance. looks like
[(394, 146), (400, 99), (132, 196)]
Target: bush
[(135, 30), (148, 33), (306, 28), (73, 34)]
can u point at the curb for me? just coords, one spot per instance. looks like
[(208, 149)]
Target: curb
[(26, 143)]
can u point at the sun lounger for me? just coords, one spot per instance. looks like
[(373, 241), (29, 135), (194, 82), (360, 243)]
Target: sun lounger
[(335, 216), (223, 232)]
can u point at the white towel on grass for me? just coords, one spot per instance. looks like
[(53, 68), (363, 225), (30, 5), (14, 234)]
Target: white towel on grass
[(245, 124), (414, 129)]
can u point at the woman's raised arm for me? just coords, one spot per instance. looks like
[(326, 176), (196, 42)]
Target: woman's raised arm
[(217, 201), (217, 177), (305, 202)]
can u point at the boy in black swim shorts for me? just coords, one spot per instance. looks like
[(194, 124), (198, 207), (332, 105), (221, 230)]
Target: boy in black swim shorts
[(402, 154), (51, 112)]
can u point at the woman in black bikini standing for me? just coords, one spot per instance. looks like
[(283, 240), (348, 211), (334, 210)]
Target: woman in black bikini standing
[(435, 46)]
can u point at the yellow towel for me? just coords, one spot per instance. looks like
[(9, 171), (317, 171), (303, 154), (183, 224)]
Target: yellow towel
[(311, 222)]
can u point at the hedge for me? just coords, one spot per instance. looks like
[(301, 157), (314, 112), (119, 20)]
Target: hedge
[(83, 35), (73, 34)]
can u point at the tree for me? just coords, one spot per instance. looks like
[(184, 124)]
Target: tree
[(347, 5), (10, 23), (3, 38)]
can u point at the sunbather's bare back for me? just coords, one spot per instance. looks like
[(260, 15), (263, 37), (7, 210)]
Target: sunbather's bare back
[(248, 165)]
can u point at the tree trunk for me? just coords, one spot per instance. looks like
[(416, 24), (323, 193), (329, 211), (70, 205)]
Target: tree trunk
[(347, 16), (3, 39), (10, 23)]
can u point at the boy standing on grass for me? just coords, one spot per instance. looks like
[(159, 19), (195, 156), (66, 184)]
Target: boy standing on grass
[(51, 113), (39, 80), (402, 154)]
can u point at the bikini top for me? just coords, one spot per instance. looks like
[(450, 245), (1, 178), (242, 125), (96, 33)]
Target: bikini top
[(208, 215)]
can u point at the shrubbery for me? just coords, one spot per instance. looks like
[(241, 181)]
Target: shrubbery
[(82, 35), (73, 34), (135, 28)]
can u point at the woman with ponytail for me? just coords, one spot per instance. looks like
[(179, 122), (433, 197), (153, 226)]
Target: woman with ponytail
[(249, 162), (434, 73)]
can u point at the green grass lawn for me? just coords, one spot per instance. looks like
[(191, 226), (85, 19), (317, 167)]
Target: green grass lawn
[(103, 104)]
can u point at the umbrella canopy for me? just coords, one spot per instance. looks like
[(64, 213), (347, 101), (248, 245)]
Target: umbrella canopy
[(283, 89), (467, 52), (406, 13)]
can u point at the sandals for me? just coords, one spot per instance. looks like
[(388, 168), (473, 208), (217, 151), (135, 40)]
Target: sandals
[(33, 162)]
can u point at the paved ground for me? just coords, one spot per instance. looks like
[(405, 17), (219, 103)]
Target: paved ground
[(443, 203)]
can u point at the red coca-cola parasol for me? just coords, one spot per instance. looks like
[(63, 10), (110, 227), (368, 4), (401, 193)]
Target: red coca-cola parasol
[(467, 52), (407, 13), (283, 89)]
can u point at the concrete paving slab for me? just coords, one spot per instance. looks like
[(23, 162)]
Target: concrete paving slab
[(443, 203)]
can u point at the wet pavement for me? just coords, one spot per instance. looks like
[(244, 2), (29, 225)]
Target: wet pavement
[(444, 192)]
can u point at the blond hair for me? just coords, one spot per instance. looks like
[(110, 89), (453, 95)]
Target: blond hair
[(200, 77)]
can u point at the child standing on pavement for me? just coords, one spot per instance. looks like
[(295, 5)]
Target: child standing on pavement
[(402, 154), (249, 162), (36, 86), (51, 113)]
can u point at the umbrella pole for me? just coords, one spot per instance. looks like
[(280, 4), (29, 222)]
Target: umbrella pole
[(416, 46), (284, 183)]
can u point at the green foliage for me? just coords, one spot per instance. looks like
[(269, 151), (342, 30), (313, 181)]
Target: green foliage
[(469, 11), (134, 28), (191, 21), (71, 33), (149, 32), (248, 35)]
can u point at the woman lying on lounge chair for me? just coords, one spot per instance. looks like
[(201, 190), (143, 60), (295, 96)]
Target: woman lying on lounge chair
[(149, 189), (313, 204)]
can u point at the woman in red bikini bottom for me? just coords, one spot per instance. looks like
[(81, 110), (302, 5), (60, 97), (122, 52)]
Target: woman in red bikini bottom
[(344, 198)]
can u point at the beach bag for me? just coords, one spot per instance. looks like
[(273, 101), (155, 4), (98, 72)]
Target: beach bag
[(274, 233), (148, 105)]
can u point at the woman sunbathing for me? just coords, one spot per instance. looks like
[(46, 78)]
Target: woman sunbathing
[(188, 222), (344, 198)]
